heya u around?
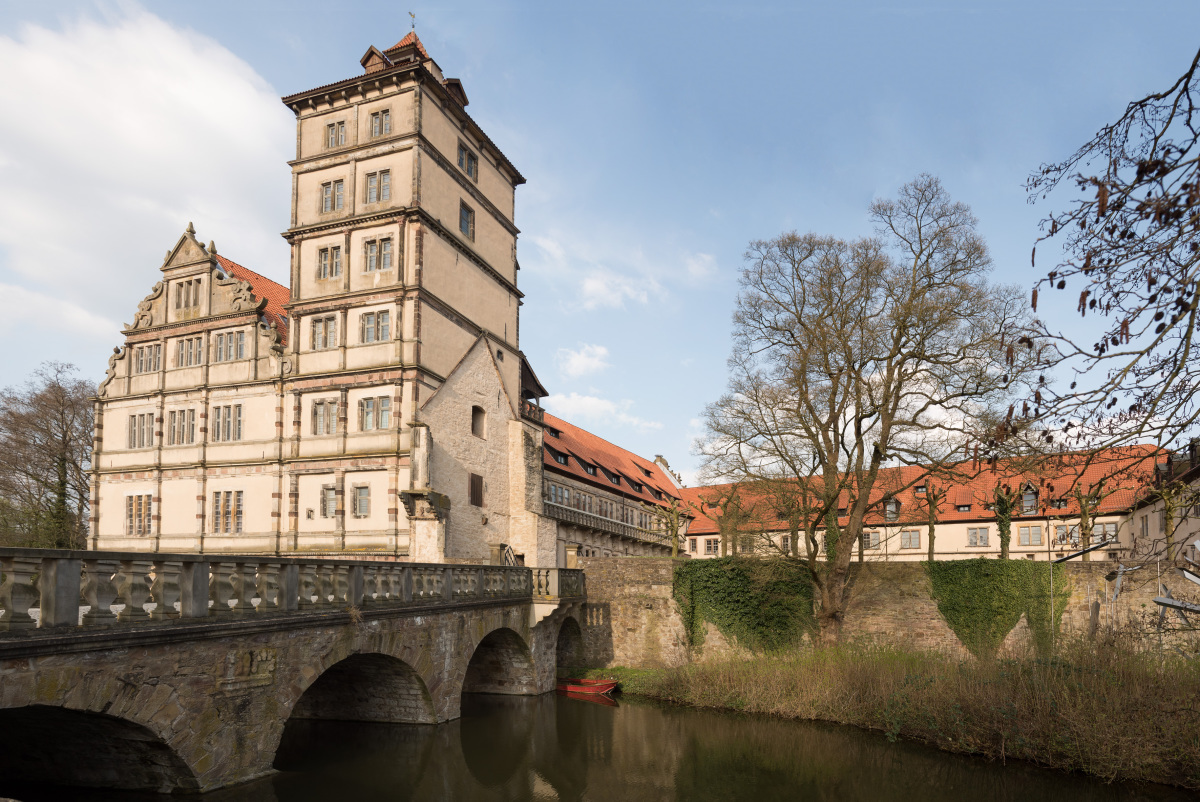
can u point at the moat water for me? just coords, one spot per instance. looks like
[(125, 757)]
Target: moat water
[(557, 748)]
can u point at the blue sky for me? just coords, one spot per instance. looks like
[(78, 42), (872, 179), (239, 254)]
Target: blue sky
[(658, 139)]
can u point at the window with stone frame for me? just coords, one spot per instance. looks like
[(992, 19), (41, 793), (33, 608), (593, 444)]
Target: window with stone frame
[(712, 545), (692, 545), (189, 351), (379, 186), (468, 162), (377, 255), (324, 416), (361, 501), (870, 539), (329, 262), (375, 326), (333, 196), (187, 293), (229, 346), (977, 536), (466, 221), (381, 122), (374, 413), (227, 512), (328, 501), (137, 514), (181, 427), (1066, 535), (335, 134), (910, 539), (324, 333), (140, 431), (226, 423), (147, 358)]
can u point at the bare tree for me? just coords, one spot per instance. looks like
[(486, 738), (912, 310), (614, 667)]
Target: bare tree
[(670, 516), (45, 456), (848, 355), (1130, 245)]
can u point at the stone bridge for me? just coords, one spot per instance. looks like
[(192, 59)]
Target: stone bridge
[(178, 673)]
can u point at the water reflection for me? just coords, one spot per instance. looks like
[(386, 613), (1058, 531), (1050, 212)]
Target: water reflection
[(555, 748)]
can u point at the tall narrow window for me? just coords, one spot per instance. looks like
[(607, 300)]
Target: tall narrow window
[(335, 134), (137, 515), (385, 254), (478, 422), (372, 261), (1029, 501), (891, 510), (466, 221), (362, 502), (381, 123), (324, 417), (333, 196), (366, 415), (227, 423), (385, 412), (475, 489), (328, 501), (468, 162)]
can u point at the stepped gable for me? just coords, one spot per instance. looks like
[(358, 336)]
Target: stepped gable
[(584, 448), (1128, 469), (276, 294)]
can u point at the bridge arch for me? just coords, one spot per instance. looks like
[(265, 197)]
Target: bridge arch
[(501, 663), (368, 686), (568, 647), (51, 745)]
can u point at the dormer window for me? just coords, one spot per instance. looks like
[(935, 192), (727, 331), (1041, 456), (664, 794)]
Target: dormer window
[(891, 510), (561, 459), (1058, 503), (1029, 501), (552, 432), (963, 508), (919, 490), (590, 469), (637, 488)]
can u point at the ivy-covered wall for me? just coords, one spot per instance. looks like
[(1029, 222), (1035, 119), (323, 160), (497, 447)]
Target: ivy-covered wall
[(982, 600), (765, 605)]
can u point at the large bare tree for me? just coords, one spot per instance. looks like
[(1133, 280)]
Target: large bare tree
[(45, 456), (850, 355), (1130, 246)]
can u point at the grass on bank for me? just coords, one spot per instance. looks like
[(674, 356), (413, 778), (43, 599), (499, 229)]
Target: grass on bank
[(1106, 709)]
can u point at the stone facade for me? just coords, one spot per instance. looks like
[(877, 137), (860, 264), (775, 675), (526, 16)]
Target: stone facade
[(630, 617), (181, 707)]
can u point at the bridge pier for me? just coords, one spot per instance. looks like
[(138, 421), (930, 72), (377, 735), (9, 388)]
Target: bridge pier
[(202, 703)]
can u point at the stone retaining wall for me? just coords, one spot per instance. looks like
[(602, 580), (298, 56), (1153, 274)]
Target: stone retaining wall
[(632, 619)]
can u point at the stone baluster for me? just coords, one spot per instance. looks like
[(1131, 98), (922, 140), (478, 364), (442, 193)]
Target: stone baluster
[(324, 584), (194, 589), (99, 592), (59, 589), (133, 590), (222, 588), (266, 587), (419, 592), (289, 588), (307, 581), (371, 594), (406, 585), (242, 582), (164, 590), (17, 592), (339, 581), (354, 591)]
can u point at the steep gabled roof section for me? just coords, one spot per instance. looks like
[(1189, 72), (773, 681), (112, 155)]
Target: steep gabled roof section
[(410, 38), (582, 448), (276, 294)]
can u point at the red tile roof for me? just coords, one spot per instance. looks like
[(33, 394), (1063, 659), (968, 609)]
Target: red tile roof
[(1127, 474), (582, 448), (410, 38), (276, 294)]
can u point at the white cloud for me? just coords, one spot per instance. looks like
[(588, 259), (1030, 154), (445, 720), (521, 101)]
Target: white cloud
[(594, 284), (700, 265), (592, 410), (604, 288), (587, 360), (129, 128), (22, 309)]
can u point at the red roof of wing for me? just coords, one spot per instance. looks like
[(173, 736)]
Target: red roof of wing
[(1127, 474), (276, 294), (582, 447), (410, 38)]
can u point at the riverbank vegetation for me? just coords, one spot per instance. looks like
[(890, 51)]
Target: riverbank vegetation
[(1107, 709)]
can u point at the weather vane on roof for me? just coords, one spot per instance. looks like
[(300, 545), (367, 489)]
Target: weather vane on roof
[(414, 21)]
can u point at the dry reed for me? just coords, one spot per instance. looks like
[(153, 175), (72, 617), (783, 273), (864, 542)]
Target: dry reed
[(1108, 709)]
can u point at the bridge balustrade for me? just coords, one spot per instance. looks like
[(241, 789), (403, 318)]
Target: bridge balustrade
[(571, 515), (89, 589)]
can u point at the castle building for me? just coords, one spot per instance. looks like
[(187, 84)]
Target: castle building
[(378, 406)]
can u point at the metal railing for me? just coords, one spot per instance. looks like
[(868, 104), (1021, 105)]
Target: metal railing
[(89, 589), (580, 518)]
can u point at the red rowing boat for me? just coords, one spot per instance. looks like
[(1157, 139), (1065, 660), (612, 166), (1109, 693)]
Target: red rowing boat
[(572, 685)]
